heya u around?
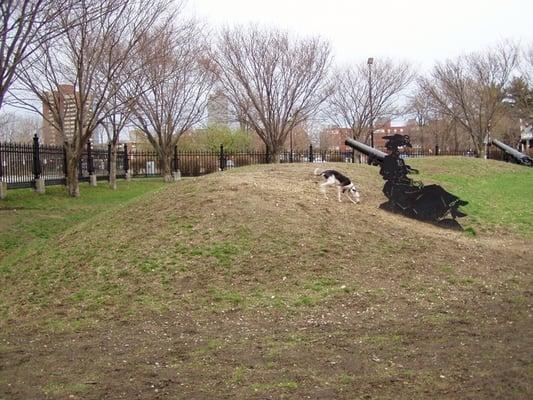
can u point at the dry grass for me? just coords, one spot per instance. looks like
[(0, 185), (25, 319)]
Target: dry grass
[(249, 284)]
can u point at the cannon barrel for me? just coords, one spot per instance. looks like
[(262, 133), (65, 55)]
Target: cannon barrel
[(372, 153), (519, 158)]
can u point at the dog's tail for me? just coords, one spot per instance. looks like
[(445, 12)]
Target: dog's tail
[(317, 171)]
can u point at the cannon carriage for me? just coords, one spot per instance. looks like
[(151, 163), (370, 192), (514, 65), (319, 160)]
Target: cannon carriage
[(412, 198)]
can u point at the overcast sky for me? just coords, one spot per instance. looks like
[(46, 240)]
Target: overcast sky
[(421, 31)]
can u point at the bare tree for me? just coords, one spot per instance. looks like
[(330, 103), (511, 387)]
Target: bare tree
[(422, 111), (520, 91), (6, 122), (519, 100), (527, 63), (121, 102), (350, 107), (175, 85), (274, 82), (24, 26), (120, 109), (76, 75), (470, 89), (299, 137), (18, 128)]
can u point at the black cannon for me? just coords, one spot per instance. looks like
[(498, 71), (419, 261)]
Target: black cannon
[(375, 156), (513, 154), (411, 198)]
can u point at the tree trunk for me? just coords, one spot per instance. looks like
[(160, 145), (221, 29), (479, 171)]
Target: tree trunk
[(274, 156), (480, 148), (479, 144), (73, 185), (166, 169), (455, 139), (275, 151), (113, 167)]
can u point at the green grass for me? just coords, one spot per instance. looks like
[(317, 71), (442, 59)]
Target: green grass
[(265, 387), (28, 218), (64, 389), (500, 195), (239, 375)]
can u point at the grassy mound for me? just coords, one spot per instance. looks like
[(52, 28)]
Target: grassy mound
[(250, 284)]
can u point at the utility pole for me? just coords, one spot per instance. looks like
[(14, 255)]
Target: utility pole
[(487, 143), (370, 62), (290, 156)]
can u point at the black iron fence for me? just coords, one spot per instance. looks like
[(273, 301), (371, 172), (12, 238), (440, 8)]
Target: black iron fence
[(419, 152), (22, 164)]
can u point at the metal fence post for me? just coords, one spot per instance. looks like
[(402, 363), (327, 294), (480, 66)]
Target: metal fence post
[(37, 168), (36, 158), (176, 161), (176, 170), (108, 159), (90, 164), (80, 168), (436, 149), (65, 161), (311, 158), (3, 185), (222, 158), (90, 159), (126, 161), (1, 163)]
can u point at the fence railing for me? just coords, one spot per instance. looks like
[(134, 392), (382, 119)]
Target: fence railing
[(419, 152), (22, 164)]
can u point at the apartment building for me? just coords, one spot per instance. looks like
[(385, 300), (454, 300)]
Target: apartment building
[(63, 102), (218, 109)]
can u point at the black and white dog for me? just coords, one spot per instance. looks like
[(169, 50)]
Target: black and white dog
[(343, 183)]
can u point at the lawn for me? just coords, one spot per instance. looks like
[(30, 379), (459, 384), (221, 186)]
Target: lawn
[(249, 284), (28, 218), (500, 194)]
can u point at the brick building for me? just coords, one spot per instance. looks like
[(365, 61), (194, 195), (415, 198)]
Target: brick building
[(65, 107), (333, 138), (386, 128)]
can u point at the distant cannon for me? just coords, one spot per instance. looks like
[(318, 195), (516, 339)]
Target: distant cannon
[(513, 154), (411, 198)]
